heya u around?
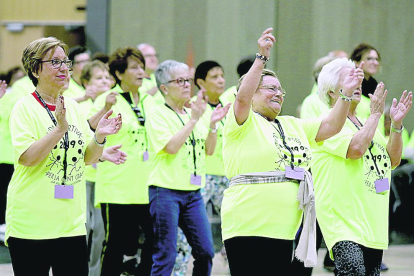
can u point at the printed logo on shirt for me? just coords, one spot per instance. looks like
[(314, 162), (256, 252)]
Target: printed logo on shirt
[(301, 153), (188, 159), (75, 158), (136, 143), (377, 166)]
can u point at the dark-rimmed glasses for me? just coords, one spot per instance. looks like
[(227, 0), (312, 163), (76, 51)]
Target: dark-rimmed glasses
[(274, 89), (57, 63), (181, 81)]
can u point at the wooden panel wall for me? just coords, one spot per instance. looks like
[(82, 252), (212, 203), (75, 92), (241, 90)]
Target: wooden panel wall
[(41, 10)]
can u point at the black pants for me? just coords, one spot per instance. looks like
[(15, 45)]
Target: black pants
[(122, 224), (298, 267), (259, 256), (351, 258), (66, 256), (6, 172)]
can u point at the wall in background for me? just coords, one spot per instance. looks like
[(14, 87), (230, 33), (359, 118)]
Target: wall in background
[(226, 31)]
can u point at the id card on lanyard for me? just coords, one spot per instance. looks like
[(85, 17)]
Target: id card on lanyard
[(194, 179), (291, 171), (381, 184), (61, 191)]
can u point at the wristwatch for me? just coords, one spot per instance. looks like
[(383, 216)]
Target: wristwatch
[(214, 130)]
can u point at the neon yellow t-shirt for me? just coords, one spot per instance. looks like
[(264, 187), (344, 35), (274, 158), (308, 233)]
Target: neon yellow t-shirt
[(74, 91), (347, 205), (147, 84), (265, 210), (125, 183), (32, 210), (173, 171), (229, 96), (214, 163), (23, 86), (6, 105), (312, 107)]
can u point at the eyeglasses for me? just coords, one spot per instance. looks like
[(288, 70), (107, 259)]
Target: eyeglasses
[(141, 118), (181, 81), (274, 89), (57, 63)]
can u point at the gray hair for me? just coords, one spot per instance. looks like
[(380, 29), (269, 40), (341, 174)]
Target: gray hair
[(164, 72), (329, 77)]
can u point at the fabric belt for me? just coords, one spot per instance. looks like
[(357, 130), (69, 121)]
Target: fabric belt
[(306, 249)]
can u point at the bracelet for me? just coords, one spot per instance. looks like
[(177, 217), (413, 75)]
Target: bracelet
[(97, 143), (214, 130), (344, 97), (397, 130), (100, 160), (264, 58)]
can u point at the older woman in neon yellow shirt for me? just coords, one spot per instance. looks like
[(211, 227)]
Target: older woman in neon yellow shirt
[(352, 178), (52, 143), (264, 217)]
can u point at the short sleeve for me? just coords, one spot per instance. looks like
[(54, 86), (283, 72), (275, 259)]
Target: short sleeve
[(232, 130), (311, 128), (23, 131), (338, 145), (159, 132)]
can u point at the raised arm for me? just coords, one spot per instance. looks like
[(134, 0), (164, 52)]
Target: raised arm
[(363, 137), (218, 114), (41, 148), (333, 123), (243, 102), (110, 101), (107, 126), (177, 141), (398, 112)]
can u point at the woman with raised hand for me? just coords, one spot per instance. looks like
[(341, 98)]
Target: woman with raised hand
[(352, 173), (267, 158), (178, 143), (121, 191), (52, 143)]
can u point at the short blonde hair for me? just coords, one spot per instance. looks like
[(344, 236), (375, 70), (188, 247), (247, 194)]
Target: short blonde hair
[(265, 72), (88, 68), (36, 51)]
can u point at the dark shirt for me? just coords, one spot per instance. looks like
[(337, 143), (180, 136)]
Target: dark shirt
[(369, 86)]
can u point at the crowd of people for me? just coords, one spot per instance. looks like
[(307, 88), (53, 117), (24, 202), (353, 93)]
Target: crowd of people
[(108, 163)]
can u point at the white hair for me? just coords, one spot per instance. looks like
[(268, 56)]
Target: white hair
[(165, 71), (329, 77)]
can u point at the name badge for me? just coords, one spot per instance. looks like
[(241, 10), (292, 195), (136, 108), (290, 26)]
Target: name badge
[(63, 191), (195, 180), (382, 185), (145, 156), (295, 173)]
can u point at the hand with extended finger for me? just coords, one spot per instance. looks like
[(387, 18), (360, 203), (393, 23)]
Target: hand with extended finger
[(219, 113), (114, 155), (60, 113), (3, 87), (108, 126), (199, 105), (110, 100), (266, 42), (378, 99), (399, 110), (353, 80)]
